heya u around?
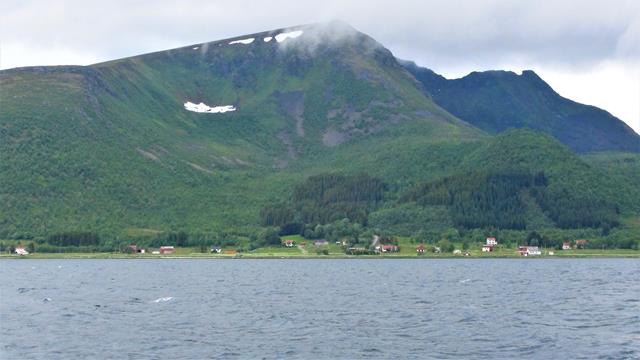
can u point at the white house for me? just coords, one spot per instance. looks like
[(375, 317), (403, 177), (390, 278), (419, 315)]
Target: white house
[(20, 250), (487, 248), (529, 251), (566, 245), (492, 241)]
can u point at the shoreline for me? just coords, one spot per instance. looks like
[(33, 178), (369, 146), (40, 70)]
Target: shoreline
[(99, 256)]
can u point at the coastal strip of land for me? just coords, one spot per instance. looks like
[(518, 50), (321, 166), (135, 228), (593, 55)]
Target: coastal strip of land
[(277, 253)]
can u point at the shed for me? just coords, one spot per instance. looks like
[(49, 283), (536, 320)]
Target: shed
[(167, 249)]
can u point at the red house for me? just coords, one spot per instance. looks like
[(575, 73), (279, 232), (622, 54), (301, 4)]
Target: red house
[(167, 249), (420, 249), (566, 245)]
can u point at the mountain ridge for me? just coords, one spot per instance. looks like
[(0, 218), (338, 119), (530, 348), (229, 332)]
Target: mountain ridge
[(496, 100)]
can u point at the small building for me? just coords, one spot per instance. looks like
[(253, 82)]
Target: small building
[(389, 248), (134, 249), (420, 249), (566, 245), (288, 243), (436, 250), (321, 243), (20, 250), (167, 249), (581, 244), (487, 248), (155, 252), (457, 252), (216, 249), (492, 241), (529, 251)]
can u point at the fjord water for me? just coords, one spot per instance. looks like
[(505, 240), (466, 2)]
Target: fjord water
[(320, 309)]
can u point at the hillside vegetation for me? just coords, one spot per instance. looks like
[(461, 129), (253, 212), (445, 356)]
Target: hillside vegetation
[(327, 134)]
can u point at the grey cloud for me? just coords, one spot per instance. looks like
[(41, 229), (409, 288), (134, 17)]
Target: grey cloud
[(436, 31)]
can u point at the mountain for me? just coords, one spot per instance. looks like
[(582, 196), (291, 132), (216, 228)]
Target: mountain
[(115, 145), (218, 136), (498, 100)]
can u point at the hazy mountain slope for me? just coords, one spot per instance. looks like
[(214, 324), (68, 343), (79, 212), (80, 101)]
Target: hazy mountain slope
[(498, 100)]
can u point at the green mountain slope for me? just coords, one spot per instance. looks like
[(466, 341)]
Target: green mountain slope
[(116, 148), (498, 100), (111, 146), (520, 179)]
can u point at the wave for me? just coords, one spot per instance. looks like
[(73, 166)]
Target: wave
[(163, 299)]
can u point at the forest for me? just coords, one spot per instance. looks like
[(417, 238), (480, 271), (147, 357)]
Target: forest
[(463, 208)]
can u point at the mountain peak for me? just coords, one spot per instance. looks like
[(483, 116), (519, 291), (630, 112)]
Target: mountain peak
[(497, 100)]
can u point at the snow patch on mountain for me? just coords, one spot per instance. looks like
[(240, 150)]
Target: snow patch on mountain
[(288, 35), (204, 108), (243, 41)]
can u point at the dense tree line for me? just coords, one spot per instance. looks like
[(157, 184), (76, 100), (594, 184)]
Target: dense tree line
[(334, 188), (479, 200), (326, 198), (482, 199), (570, 211), (74, 238)]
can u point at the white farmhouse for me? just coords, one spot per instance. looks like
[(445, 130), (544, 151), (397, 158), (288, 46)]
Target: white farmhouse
[(20, 250), (492, 241)]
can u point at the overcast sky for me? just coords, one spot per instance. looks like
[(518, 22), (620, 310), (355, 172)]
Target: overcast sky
[(587, 50)]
